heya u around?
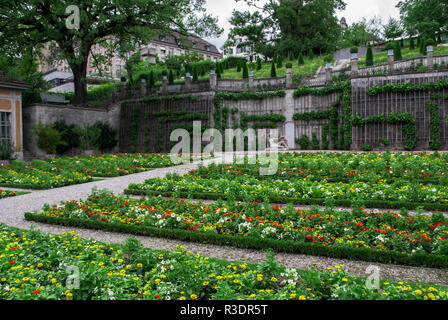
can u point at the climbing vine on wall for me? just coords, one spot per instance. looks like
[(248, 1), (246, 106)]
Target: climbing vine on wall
[(134, 128), (221, 114), (341, 135), (435, 124)]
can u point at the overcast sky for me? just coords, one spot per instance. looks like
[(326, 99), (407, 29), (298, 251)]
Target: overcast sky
[(355, 11)]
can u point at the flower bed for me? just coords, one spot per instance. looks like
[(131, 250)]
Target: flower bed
[(59, 172), (358, 234), (7, 193), (21, 175), (378, 180), (37, 266)]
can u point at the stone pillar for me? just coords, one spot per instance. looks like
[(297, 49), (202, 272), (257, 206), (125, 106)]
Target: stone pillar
[(213, 80), (188, 82), (143, 87), (391, 61), (288, 78), (355, 67), (251, 81), (328, 76), (430, 57), (165, 85)]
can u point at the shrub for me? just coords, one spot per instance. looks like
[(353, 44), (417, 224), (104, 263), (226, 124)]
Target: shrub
[(7, 151), (328, 58), (315, 142), (301, 60), (69, 138), (259, 67), (369, 56), (245, 71), (108, 136), (389, 46), (48, 138), (385, 142), (171, 77), (273, 70), (397, 52), (311, 54), (304, 142), (411, 44), (354, 50), (367, 147), (289, 65), (89, 137)]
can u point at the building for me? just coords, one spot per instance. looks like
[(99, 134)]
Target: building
[(11, 111), (175, 44), (236, 51), (161, 47)]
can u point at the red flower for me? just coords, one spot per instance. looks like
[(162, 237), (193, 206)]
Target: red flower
[(308, 237), (157, 297), (35, 292)]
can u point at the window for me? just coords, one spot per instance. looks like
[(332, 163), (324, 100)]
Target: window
[(5, 127)]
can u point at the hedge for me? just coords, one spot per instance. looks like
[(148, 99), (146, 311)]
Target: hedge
[(365, 254), (380, 204)]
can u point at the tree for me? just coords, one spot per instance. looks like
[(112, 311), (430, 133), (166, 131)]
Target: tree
[(411, 44), (280, 62), (130, 66), (218, 70), (152, 81), (171, 77), (259, 66), (301, 60), (273, 70), (300, 25), (245, 71), (424, 17), (195, 74), (124, 27), (397, 52), (393, 29), (369, 56), (311, 54)]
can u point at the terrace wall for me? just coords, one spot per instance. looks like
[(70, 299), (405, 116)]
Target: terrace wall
[(49, 114), (152, 137)]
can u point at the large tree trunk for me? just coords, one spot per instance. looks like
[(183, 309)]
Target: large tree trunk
[(80, 80)]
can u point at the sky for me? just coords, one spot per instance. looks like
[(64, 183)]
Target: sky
[(355, 11)]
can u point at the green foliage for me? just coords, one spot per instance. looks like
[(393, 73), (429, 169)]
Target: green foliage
[(397, 52), (313, 115), (89, 136), (435, 125), (273, 70), (315, 142), (107, 139), (408, 87), (369, 56), (367, 148), (171, 77), (301, 60), (354, 50), (48, 138), (245, 71), (411, 43), (385, 141), (304, 142), (134, 128), (69, 137), (259, 63), (7, 151)]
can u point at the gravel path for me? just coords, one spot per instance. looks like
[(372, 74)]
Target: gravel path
[(12, 210)]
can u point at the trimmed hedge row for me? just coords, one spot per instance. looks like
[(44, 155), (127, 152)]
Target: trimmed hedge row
[(380, 204), (365, 254)]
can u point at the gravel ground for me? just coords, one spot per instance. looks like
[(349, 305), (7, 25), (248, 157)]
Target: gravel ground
[(12, 210)]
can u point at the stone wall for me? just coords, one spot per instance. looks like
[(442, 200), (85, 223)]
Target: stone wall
[(45, 113)]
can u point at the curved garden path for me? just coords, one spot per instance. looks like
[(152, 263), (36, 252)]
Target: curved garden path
[(12, 213)]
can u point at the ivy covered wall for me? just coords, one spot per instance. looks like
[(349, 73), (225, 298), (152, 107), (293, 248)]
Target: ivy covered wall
[(408, 112)]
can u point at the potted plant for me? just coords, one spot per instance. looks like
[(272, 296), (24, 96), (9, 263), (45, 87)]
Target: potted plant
[(48, 138), (7, 153), (89, 137)]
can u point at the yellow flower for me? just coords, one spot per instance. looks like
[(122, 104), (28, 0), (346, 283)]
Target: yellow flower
[(292, 296), (205, 283), (69, 296), (139, 265), (193, 296), (182, 298), (274, 279), (128, 267), (157, 281), (302, 298)]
